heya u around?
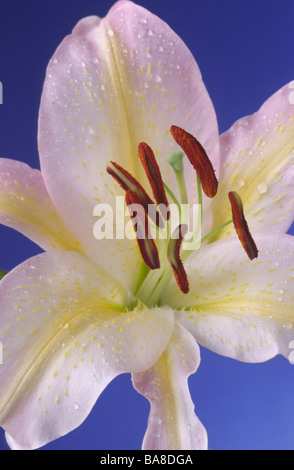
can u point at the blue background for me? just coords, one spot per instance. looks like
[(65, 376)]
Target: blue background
[(245, 52)]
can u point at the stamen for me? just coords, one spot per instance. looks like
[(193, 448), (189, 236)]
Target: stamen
[(241, 225), (129, 183), (152, 171), (198, 159), (173, 255), (140, 222)]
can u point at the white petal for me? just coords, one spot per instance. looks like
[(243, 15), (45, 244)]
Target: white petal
[(172, 423), (111, 84), (236, 307), (65, 336), (25, 205), (258, 162)]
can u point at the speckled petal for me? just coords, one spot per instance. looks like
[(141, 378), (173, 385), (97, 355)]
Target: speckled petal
[(236, 307), (111, 84), (258, 163), (25, 205), (172, 423), (65, 336)]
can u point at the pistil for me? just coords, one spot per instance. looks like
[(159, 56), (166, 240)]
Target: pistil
[(176, 161)]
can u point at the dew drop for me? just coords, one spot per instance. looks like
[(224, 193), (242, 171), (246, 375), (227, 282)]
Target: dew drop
[(262, 188), (240, 182), (75, 406), (291, 97), (156, 420)]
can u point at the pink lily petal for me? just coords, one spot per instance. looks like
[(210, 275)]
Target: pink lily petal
[(25, 205), (172, 423), (257, 161), (111, 84), (65, 336), (236, 307)]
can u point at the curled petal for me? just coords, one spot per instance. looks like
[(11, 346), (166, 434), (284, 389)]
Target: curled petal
[(172, 423)]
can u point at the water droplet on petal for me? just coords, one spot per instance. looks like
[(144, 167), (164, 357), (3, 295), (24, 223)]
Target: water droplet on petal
[(240, 182), (262, 188), (156, 420)]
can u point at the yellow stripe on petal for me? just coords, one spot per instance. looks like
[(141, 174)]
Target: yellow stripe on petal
[(26, 206), (238, 307), (60, 357)]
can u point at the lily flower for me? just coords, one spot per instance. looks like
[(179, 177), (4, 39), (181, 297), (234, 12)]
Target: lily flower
[(122, 97)]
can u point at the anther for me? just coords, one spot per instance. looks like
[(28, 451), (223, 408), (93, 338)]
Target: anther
[(198, 159), (173, 255), (241, 225), (140, 223), (129, 183), (153, 174)]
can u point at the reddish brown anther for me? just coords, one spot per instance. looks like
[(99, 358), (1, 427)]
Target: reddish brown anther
[(241, 225), (129, 183), (152, 171), (173, 255), (198, 159), (140, 223)]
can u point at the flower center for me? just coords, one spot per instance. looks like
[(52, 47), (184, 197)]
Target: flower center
[(165, 259)]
